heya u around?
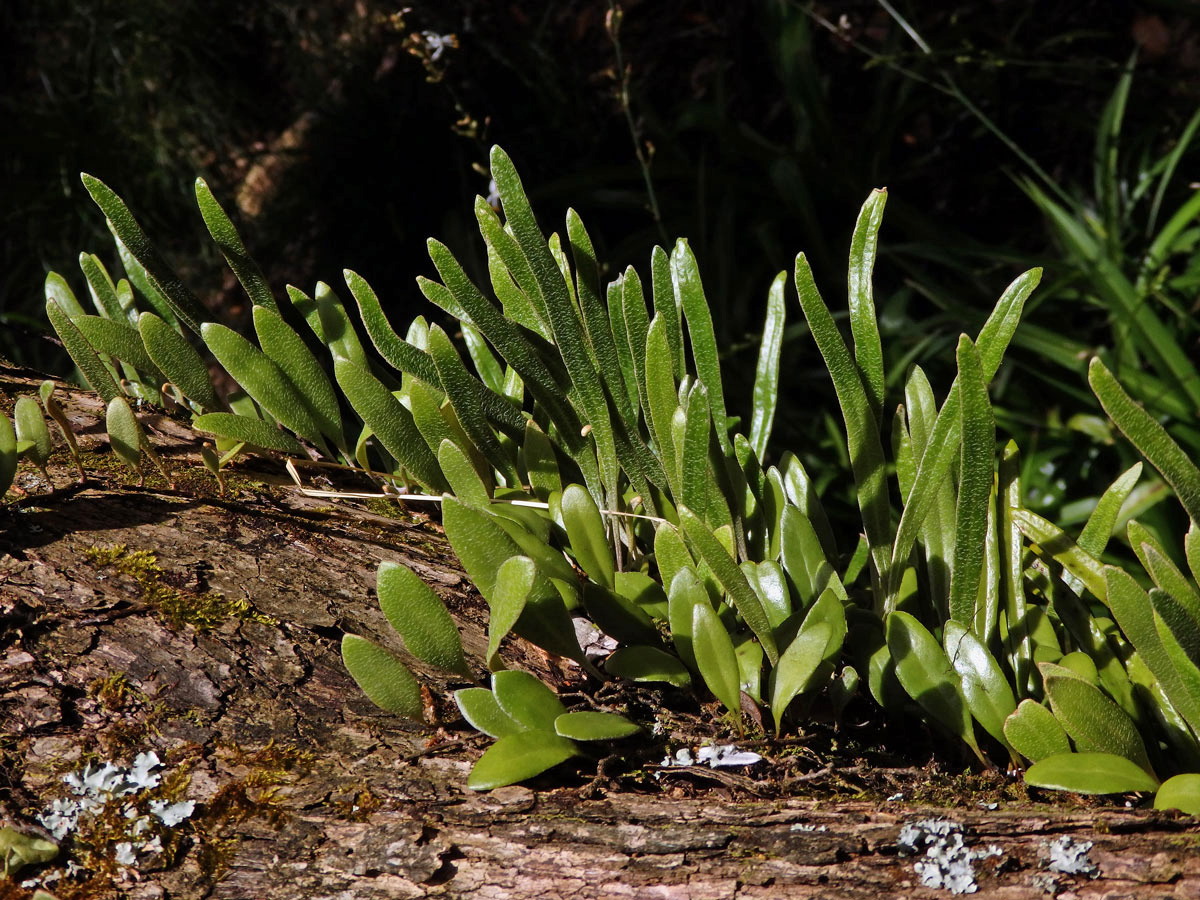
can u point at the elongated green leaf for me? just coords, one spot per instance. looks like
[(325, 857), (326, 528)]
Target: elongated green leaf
[(661, 402), (1093, 721), (596, 322), (479, 707), (937, 531), (637, 323), (984, 686), (797, 667), (1185, 669), (58, 291), (421, 618), (514, 583), (385, 680), (230, 243), (517, 349), (243, 429), (862, 431), (804, 558), (666, 307), (643, 663), (715, 658), (926, 675), (390, 421), (1100, 524), (1149, 437), (1032, 731), (1191, 544), (183, 302), (177, 360), (563, 318), (868, 353), (31, 429), (589, 725), (399, 353), (526, 699), (458, 470), (515, 757), (769, 582), (541, 465), (944, 438), (1089, 773), (1134, 612), (1181, 792), (8, 454), (1058, 545), (81, 353), (101, 287), (288, 351), (706, 547), (766, 374), (588, 537), (615, 298), (1169, 579), (1012, 578), (683, 593), (693, 461), (978, 429), (262, 379), (689, 296), (118, 339)]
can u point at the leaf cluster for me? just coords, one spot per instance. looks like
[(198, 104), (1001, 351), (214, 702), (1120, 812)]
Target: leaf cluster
[(587, 467)]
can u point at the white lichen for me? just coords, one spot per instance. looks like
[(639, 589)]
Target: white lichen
[(1070, 857), (948, 863)]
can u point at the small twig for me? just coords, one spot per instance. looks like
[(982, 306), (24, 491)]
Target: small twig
[(612, 24)]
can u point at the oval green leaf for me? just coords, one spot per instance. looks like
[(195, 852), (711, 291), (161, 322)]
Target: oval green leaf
[(591, 725), (526, 699), (385, 680), (421, 618), (515, 757), (479, 707), (1089, 773)]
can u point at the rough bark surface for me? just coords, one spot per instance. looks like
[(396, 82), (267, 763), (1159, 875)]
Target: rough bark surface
[(305, 791)]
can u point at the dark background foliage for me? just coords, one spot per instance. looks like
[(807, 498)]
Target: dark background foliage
[(342, 134)]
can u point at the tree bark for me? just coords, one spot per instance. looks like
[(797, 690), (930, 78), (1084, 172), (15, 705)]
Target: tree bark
[(305, 790)]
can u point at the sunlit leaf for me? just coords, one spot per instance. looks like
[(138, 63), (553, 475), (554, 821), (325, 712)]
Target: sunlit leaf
[(1149, 437), (479, 707), (230, 243), (1089, 773), (797, 665), (590, 725), (586, 532), (526, 699), (243, 429), (385, 680), (391, 422), (183, 302), (1181, 792), (421, 618), (1032, 731), (515, 757), (927, 676), (178, 361), (715, 658), (706, 546)]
